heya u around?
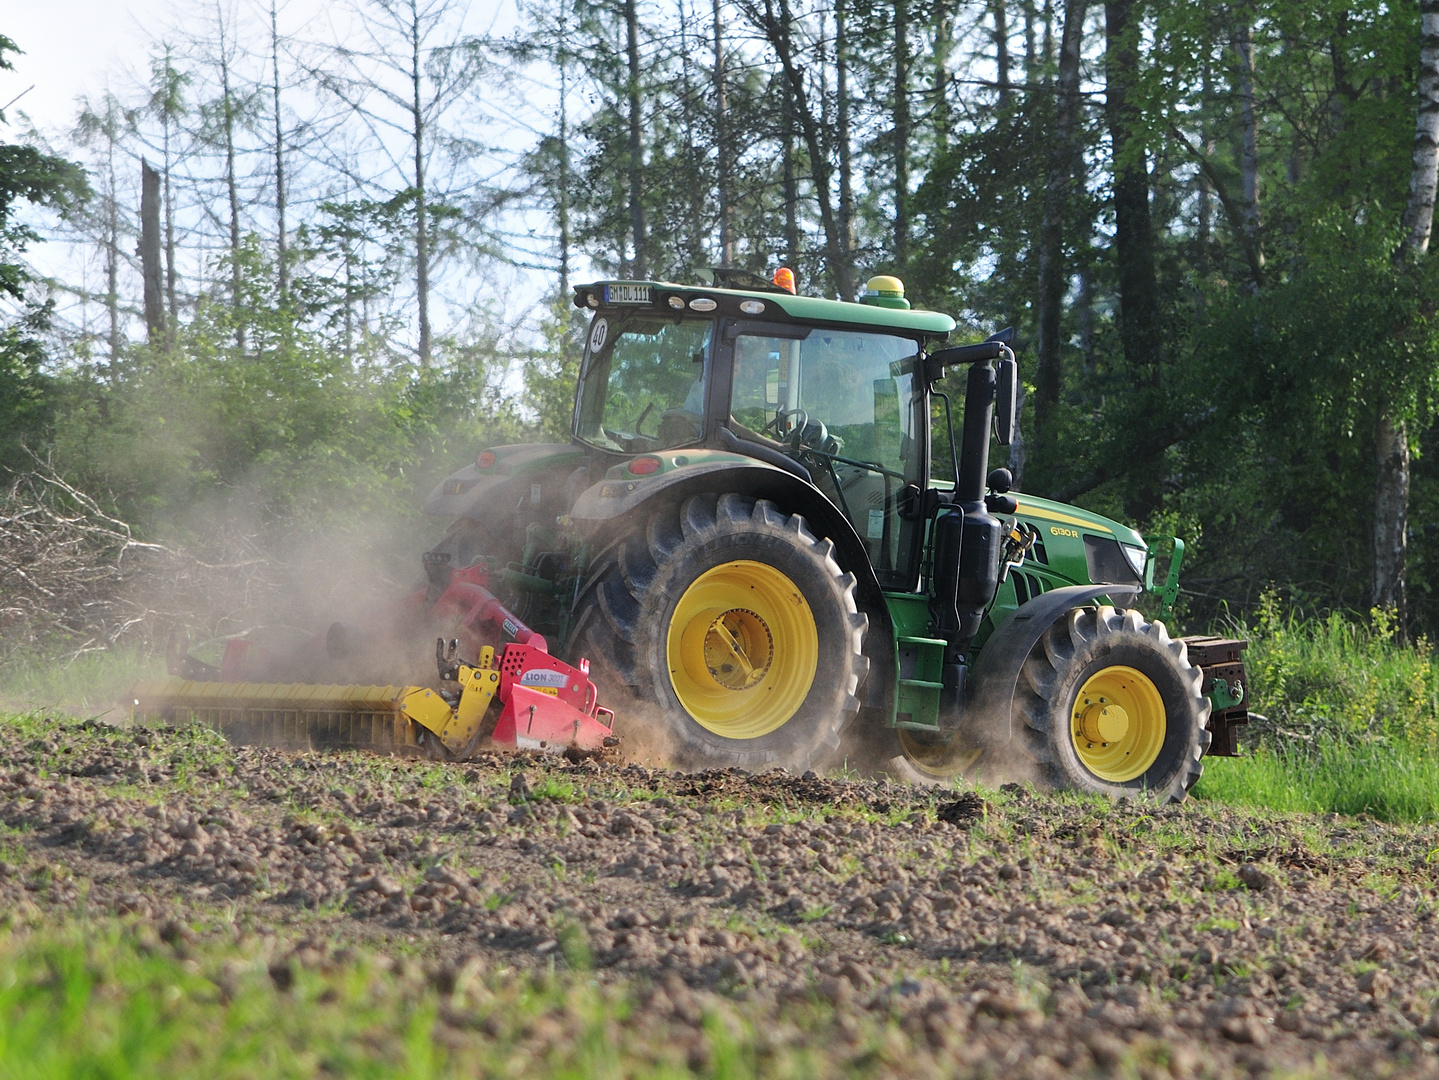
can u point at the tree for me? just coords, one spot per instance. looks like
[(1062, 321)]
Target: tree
[(416, 66), (167, 104), (1057, 194), (1391, 435), (39, 179), (106, 126)]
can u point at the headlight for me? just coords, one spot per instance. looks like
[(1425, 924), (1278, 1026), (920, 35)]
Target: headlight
[(1137, 557)]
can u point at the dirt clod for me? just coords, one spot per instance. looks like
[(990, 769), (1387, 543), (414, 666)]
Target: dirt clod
[(1254, 878), (964, 811)]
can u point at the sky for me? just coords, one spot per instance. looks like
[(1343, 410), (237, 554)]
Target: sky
[(75, 48)]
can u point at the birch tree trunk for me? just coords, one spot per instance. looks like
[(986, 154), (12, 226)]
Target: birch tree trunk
[(1391, 435), (722, 147), (640, 266), (1424, 167), (1053, 278)]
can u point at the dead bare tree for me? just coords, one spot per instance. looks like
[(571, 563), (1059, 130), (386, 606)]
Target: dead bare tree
[(402, 83)]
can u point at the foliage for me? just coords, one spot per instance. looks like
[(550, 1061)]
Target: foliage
[(1284, 324), (1333, 681), (26, 176), (1352, 719)]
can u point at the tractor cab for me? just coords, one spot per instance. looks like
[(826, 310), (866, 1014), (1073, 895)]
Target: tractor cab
[(776, 376)]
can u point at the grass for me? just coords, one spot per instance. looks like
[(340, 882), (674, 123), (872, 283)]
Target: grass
[(1390, 783), (106, 1000), (1353, 720), (92, 684)]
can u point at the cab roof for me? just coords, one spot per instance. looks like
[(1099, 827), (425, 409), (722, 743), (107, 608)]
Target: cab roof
[(773, 306)]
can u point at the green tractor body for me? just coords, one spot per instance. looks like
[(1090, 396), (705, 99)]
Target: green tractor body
[(767, 527)]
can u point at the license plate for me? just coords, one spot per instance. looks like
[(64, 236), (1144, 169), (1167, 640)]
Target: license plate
[(627, 294)]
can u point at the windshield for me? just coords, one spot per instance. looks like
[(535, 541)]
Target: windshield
[(642, 384), (846, 400)]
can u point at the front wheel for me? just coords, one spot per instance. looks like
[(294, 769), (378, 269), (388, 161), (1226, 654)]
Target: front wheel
[(735, 620), (1110, 703)]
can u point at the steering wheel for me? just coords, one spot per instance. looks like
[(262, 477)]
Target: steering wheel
[(649, 408), (780, 417)]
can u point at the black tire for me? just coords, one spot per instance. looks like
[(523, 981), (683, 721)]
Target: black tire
[(1104, 641), (626, 610)]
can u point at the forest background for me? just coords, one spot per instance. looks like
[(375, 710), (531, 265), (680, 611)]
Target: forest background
[(1207, 223)]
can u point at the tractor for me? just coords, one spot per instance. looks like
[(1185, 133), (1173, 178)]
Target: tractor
[(766, 546), (763, 541)]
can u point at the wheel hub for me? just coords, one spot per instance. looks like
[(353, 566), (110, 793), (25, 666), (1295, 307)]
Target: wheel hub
[(738, 649), (1104, 721)]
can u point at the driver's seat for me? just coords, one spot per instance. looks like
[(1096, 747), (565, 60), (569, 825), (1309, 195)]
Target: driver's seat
[(678, 427)]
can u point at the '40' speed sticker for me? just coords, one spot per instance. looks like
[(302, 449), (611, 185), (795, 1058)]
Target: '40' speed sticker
[(599, 334)]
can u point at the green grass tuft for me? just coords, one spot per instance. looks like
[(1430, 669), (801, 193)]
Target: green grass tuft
[(1395, 783)]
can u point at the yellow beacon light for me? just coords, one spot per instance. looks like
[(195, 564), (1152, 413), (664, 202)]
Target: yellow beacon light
[(884, 291), (784, 278)]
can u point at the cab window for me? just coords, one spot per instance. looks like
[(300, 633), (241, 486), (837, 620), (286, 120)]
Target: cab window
[(844, 402), (642, 383)]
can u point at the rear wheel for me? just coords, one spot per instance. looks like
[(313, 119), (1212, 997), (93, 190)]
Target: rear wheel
[(737, 622), (1110, 703)]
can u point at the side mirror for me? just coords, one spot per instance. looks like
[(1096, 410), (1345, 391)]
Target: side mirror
[(1005, 398)]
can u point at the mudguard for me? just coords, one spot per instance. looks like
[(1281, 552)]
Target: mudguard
[(625, 501), (476, 493), (995, 674)]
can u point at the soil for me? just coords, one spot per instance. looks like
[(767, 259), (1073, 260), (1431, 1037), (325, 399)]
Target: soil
[(998, 932)]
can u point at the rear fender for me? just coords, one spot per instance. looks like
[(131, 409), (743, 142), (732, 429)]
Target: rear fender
[(995, 674), (605, 509), (478, 494)]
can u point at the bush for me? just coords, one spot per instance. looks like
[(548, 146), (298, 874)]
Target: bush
[(1335, 681), (1353, 713)]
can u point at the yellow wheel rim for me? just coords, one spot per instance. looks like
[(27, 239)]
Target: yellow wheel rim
[(1118, 723), (935, 756), (742, 649)]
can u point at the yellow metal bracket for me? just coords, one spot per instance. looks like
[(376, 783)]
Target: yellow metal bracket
[(456, 727)]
